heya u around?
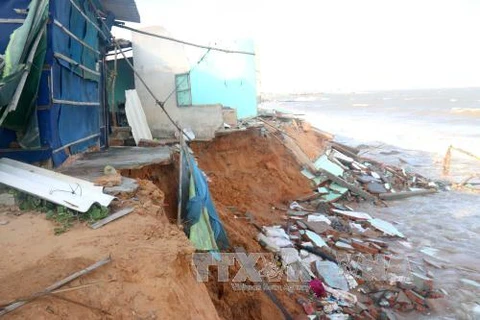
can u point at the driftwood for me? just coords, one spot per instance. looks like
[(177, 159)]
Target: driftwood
[(111, 217), (346, 150), (405, 194), (448, 157), (55, 286)]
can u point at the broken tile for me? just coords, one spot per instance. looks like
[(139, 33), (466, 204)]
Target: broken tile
[(289, 255), (317, 226), (415, 297), (308, 174), (385, 227), (315, 238), (324, 163), (433, 263), (332, 274), (301, 224), (422, 282), (367, 179), (375, 187), (354, 215), (343, 245), (364, 248), (318, 218)]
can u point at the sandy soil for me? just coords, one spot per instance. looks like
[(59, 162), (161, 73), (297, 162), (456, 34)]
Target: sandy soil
[(150, 275), (253, 174)]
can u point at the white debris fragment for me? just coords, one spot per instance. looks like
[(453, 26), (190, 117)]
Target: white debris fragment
[(318, 218)]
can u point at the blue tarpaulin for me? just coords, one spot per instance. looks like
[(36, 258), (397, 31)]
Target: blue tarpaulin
[(202, 222)]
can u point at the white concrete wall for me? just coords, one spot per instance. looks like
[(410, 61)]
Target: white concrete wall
[(157, 61)]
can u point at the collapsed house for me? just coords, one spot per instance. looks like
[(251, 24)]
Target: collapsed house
[(203, 88)]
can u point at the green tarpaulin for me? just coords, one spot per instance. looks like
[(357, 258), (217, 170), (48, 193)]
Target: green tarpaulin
[(20, 75)]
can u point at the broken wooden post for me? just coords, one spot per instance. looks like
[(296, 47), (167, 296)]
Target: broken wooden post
[(56, 285), (180, 179), (405, 194), (111, 217)]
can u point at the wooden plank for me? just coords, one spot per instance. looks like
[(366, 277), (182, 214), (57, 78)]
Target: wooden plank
[(180, 179), (405, 194), (56, 285), (111, 218)]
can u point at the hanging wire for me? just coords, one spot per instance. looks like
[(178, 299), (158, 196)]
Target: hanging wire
[(182, 41), (117, 46), (177, 85)]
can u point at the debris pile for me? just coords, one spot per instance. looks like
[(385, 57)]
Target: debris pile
[(340, 171), (344, 256)]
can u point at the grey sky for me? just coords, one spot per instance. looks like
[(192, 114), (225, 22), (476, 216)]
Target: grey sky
[(338, 45)]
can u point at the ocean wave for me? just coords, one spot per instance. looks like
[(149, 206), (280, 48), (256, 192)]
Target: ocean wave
[(466, 110)]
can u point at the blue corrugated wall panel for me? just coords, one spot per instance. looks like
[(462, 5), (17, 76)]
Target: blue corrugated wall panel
[(73, 126)]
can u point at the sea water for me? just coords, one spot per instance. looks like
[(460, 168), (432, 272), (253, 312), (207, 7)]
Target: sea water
[(413, 129)]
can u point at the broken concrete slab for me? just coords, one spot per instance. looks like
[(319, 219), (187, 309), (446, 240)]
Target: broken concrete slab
[(423, 283), (332, 274), (415, 297), (343, 245), (318, 227), (325, 164), (385, 227), (315, 238), (90, 165), (366, 179), (128, 185), (354, 215), (376, 187), (318, 218)]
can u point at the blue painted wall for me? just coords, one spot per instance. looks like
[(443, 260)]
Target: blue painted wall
[(227, 79)]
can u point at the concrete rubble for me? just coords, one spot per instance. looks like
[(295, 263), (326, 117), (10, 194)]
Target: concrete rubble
[(345, 251)]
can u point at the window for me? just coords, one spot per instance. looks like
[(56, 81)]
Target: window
[(182, 85)]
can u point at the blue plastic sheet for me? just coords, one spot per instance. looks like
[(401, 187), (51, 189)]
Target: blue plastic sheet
[(196, 205)]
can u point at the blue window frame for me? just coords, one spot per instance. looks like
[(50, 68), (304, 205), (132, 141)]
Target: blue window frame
[(183, 90)]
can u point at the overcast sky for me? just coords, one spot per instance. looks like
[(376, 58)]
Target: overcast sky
[(338, 45)]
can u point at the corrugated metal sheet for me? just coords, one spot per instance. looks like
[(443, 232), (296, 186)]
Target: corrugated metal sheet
[(136, 117), (125, 10), (73, 193)]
